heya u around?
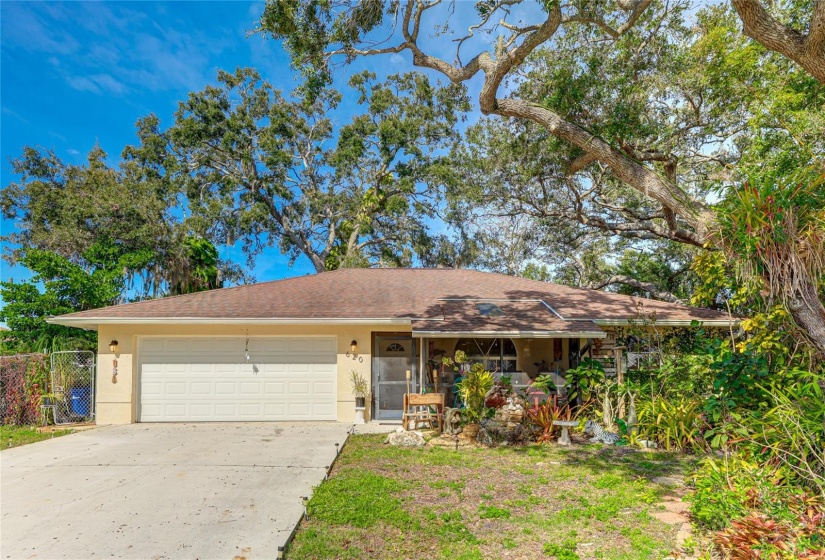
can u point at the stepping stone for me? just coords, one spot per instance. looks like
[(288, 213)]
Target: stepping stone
[(668, 481), (670, 517), (676, 507)]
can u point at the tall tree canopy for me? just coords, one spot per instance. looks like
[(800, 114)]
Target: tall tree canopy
[(623, 118), (67, 287), (133, 210), (270, 169)]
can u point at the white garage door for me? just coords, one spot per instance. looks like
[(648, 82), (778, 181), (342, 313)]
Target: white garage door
[(210, 379)]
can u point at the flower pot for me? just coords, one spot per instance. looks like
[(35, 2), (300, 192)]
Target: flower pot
[(360, 402), (471, 430)]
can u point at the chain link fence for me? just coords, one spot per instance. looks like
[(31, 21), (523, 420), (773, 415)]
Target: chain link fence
[(22, 383), (72, 397)]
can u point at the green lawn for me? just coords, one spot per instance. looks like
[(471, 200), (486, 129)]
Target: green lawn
[(529, 502), (12, 436)]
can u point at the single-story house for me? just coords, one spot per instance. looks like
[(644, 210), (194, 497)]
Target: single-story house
[(285, 350)]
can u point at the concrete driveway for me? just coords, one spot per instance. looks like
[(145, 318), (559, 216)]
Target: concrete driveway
[(162, 491)]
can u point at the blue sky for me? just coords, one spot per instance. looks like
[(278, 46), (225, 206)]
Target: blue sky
[(73, 74), (78, 73)]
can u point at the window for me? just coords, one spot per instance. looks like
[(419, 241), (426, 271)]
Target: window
[(395, 347), (497, 354), (490, 310)]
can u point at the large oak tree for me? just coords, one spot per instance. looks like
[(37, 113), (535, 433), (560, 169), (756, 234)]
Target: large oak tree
[(274, 169), (668, 206)]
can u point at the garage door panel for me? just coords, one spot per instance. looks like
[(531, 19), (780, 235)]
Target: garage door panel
[(322, 388), (226, 388), (209, 379), (201, 388), (275, 388)]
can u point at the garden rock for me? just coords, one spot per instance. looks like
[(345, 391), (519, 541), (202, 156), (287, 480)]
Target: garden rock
[(496, 432), (402, 438), (452, 442)]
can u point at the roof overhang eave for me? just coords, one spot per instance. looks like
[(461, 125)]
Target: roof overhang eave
[(507, 334), (665, 322), (92, 323)]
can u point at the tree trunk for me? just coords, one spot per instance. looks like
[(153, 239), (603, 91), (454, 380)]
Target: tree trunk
[(809, 315)]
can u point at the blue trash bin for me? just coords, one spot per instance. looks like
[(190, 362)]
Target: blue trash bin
[(79, 397)]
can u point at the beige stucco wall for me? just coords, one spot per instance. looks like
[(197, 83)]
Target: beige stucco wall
[(116, 396)]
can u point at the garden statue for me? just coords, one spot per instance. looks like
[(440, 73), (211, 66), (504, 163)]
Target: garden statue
[(599, 434), (632, 420), (452, 421)]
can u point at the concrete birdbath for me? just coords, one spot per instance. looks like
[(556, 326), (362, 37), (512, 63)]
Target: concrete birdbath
[(564, 439)]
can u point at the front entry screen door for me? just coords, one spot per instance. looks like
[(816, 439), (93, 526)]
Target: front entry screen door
[(392, 357)]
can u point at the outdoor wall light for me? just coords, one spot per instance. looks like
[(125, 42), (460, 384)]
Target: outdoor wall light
[(353, 351), (113, 348)]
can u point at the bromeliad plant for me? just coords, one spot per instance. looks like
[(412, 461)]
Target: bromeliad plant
[(674, 424), (544, 416), (774, 232)]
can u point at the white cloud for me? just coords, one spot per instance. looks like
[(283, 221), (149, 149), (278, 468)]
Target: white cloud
[(16, 115), (111, 49)]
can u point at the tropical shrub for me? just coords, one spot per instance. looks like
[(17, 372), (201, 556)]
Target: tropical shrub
[(584, 380), (472, 389), (759, 536), (722, 490), (674, 424), (737, 380), (22, 382), (755, 511), (791, 433)]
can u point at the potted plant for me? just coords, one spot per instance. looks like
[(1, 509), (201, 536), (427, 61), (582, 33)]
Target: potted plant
[(361, 390)]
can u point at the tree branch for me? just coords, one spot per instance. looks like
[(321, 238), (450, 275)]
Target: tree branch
[(806, 50), (654, 290)]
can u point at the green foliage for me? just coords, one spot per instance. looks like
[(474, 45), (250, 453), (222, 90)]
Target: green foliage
[(737, 379), (271, 169), (202, 270), (674, 424), (564, 550), (486, 511), (14, 436), (360, 387), (767, 221), (791, 432), (585, 379), (722, 490), (472, 390), (67, 287)]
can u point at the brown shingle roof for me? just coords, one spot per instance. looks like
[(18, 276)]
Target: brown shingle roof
[(527, 316), (400, 294)]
